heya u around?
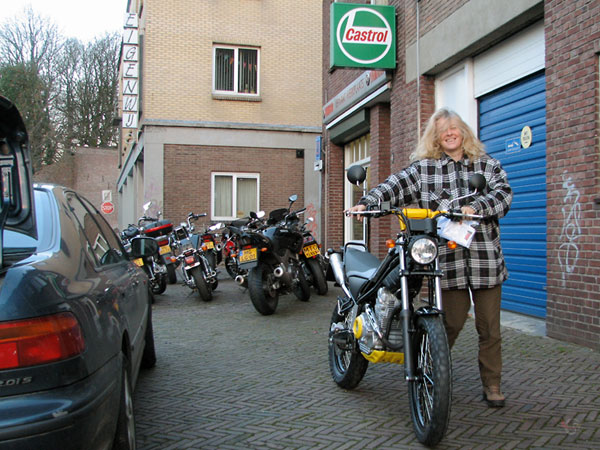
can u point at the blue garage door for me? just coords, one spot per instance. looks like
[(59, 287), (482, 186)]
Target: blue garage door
[(502, 116)]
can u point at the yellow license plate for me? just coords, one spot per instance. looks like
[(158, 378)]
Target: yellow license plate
[(209, 244), (139, 262), (311, 250), (248, 255), (165, 249)]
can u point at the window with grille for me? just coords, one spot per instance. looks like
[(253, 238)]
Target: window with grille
[(236, 70), (234, 195)]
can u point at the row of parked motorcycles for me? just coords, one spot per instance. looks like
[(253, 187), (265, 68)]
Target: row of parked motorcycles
[(270, 256)]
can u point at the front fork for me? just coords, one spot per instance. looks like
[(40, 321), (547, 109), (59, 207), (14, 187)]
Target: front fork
[(406, 316)]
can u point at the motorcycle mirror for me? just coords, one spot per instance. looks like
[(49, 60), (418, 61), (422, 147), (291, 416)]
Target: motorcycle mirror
[(147, 206), (310, 219), (293, 198), (253, 215), (356, 174), (260, 214), (477, 182)]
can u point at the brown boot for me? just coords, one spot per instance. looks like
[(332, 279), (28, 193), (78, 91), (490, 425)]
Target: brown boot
[(493, 396)]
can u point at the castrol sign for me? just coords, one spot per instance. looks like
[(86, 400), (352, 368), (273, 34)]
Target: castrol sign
[(363, 36)]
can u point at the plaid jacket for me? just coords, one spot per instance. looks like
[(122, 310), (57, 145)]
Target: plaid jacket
[(432, 183)]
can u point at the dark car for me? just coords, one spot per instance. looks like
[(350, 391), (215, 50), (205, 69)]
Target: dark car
[(75, 323)]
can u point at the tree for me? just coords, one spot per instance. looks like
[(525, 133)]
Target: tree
[(66, 91)]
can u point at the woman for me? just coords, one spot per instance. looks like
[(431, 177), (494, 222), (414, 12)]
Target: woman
[(445, 158)]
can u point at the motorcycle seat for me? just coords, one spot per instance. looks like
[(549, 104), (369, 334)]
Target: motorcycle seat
[(360, 264)]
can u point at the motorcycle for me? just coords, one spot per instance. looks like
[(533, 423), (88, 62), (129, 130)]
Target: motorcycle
[(231, 247), (195, 267), (271, 256), (160, 230), (212, 249), (153, 265), (381, 319), (313, 262)]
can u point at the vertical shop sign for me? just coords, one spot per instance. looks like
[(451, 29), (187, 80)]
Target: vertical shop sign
[(130, 71)]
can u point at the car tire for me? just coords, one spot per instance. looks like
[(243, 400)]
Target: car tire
[(125, 435)]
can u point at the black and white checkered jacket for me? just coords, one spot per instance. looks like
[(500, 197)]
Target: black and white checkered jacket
[(432, 183)]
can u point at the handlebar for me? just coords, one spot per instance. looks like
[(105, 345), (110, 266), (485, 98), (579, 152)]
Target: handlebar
[(415, 213)]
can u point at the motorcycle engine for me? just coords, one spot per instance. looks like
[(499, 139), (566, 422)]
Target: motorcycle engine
[(369, 324)]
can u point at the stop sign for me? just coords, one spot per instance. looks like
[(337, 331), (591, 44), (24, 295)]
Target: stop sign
[(107, 207)]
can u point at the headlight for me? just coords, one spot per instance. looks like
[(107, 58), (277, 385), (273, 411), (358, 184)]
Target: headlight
[(423, 250)]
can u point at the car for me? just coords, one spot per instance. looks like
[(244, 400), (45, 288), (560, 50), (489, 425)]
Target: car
[(75, 313)]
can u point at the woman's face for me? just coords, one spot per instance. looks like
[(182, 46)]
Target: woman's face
[(449, 136)]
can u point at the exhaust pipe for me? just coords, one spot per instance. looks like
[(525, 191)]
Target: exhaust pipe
[(239, 279), (278, 272), (337, 267)]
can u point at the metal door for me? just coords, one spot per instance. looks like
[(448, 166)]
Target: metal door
[(512, 125)]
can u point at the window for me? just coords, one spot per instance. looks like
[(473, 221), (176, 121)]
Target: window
[(236, 70), (234, 195), (355, 152)]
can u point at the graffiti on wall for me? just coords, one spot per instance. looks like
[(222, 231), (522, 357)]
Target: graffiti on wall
[(568, 251), (311, 211)]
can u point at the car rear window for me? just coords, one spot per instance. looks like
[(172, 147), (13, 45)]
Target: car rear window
[(15, 242)]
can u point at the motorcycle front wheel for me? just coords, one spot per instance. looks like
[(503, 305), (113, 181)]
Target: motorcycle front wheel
[(431, 394), (346, 363), (203, 290), (260, 284)]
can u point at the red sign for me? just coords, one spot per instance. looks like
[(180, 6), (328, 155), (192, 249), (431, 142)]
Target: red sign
[(107, 207)]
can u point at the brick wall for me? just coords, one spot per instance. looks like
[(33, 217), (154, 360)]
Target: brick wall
[(572, 45), (188, 170), (88, 171)]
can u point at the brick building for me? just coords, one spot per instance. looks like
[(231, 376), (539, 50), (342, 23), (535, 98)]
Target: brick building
[(524, 74), (220, 107)]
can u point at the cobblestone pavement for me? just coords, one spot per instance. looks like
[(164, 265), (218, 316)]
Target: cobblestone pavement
[(229, 378)]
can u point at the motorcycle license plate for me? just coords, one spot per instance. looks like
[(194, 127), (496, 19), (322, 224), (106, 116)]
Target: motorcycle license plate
[(311, 250), (139, 262), (210, 245), (248, 255), (165, 249)]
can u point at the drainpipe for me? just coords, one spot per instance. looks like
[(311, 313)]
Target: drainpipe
[(418, 80)]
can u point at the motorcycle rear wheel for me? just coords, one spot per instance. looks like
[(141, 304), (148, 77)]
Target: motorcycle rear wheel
[(203, 290), (171, 274), (263, 296), (430, 396), (231, 266), (318, 276), (301, 287), (347, 365), (159, 285)]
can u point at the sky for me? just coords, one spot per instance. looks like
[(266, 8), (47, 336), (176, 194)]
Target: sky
[(82, 19)]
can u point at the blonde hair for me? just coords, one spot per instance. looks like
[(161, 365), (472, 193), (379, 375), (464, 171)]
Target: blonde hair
[(429, 145)]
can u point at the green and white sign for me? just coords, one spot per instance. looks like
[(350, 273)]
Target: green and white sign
[(363, 36)]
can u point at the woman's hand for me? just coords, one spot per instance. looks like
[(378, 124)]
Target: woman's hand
[(356, 208)]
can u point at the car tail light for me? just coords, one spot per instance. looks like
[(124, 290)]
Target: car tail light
[(41, 340)]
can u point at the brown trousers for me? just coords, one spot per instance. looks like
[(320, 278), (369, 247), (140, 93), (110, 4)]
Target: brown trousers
[(456, 305)]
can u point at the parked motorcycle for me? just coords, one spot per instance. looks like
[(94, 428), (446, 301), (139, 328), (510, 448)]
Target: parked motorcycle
[(211, 246), (160, 230), (271, 255), (381, 319), (231, 247), (195, 267), (313, 262), (153, 265)]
